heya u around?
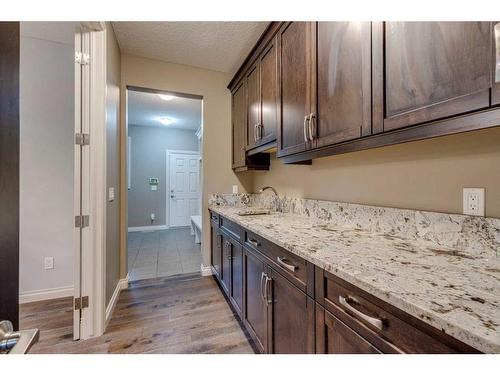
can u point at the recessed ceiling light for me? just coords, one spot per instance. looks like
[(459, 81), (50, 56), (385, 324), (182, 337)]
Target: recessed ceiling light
[(165, 120), (166, 97)]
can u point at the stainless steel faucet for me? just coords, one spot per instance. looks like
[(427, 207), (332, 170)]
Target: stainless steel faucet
[(277, 199)]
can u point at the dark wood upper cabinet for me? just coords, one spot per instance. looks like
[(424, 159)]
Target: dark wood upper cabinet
[(269, 93), (253, 104), (435, 70), (343, 82), (295, 70), (495, 30), (292, 316), (239, 124), (256, 309)]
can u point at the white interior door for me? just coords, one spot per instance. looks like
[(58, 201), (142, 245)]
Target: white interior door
[(183, 194)]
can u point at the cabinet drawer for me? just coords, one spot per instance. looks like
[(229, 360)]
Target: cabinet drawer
[(290, 264), (232, 229), (214, 218), (384, 325)]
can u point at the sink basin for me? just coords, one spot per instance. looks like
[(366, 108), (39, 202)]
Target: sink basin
[(250, 212)]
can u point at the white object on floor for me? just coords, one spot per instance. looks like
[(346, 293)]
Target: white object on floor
[(196, 228)]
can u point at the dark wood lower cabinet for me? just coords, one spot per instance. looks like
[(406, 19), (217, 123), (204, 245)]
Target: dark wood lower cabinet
[(308, 310), (292, 315), (334, 337), (255, 313), (225, 274)]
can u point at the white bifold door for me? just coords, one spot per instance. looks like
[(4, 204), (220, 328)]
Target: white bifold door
[(183, 194)]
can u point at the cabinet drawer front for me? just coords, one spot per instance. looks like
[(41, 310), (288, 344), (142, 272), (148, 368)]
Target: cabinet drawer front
[(232, 229), (290, 264), (380, 321), (214, 218)]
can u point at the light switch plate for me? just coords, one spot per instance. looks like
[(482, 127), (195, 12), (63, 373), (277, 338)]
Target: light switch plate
[(473, 201), (48, 263), (111, 194), (235, 189)]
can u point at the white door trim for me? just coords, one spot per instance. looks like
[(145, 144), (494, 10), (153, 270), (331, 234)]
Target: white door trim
[(90, 262), (167, 180)]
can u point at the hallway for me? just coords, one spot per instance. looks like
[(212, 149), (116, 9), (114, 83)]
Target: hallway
[(179, 314), (162, 253)]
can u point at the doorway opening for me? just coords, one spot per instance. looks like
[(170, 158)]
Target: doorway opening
[(164, 175)]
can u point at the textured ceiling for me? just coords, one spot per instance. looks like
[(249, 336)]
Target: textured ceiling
[(145, 109), (220, 46)]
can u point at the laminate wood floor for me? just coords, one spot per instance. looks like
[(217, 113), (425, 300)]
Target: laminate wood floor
[(179, 314)]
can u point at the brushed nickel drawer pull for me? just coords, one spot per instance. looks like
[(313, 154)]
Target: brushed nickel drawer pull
[(306, 138), (266, 289), (344, 301), (282, 260), (254, 242)]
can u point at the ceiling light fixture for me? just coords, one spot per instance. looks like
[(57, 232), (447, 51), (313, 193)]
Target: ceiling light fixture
[(166, 97), (165, 121)]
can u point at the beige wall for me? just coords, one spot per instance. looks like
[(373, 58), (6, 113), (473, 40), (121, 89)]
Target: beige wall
[(427, 175), (218, 176), (113, 67)]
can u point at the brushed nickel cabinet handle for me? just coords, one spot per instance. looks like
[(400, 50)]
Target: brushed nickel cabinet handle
[(305, 129), (312, 116), (254, 242), (266, 289), (344, 301), (262, 276), (281, 261)]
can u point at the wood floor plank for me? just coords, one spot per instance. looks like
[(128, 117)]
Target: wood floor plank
[(179, 314)]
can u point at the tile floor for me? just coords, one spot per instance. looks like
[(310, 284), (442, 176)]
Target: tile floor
[(162, 253)]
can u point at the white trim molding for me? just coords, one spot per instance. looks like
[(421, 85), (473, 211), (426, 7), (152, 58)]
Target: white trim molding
[(206, 270), (147, 228), (122, 284), (46, 294)]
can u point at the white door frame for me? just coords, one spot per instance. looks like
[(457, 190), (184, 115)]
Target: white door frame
[(90, 256), (167, 180)]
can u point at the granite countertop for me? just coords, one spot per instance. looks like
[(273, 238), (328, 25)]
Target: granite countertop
[(455, 291)]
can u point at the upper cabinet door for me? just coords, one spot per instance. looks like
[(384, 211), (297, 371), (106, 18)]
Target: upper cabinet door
[(435, 70), (343, 82), (239, 117), (495, 97), (269, 93), (253, 104), (295, 71)]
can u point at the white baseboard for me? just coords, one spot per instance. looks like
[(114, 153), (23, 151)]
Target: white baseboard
[(45, 294), (147, 228), (206, 270), (122, 284)]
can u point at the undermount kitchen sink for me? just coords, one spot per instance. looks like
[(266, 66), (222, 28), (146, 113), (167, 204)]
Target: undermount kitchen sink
[(256, 211)]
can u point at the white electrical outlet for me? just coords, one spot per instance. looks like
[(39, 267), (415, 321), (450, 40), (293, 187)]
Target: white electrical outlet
[(152, 216), (48, 263), (235, 189), (111, 194), (473, 201)]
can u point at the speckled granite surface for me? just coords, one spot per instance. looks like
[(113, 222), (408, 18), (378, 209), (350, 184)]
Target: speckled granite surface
[(443, 269)]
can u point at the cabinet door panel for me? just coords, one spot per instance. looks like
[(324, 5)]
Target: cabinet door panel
[(295, 70), (237, 276), (216, 250), (225, 275), (239, 125), (292, 318), (343, 81), (435, 69), (268, 73), (334, 337), (253, 104), (255, 313)]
